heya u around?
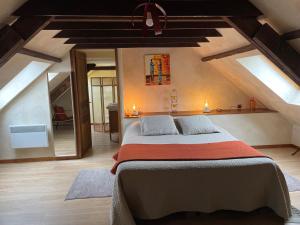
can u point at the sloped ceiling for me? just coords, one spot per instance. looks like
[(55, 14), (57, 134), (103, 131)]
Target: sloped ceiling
[(7, 7), (283, 15)]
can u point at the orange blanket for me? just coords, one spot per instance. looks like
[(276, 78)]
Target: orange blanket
[(177, 152)]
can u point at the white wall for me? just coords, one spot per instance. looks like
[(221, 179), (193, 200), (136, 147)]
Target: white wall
[(296, 135), (194, 81), (254, 129), (63, 67), (30, 107)]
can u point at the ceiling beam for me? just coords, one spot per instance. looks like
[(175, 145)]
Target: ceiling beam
[(125, 8), (26, 51), (128, 25), (135, 45), (270, 44), (291, 35), (134, 40), (93, 66), (229, 53), (135, 33), (14, 37), (136, 19)]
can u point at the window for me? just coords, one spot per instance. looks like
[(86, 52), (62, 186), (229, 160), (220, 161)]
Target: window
[(21, 81), (272, 77)]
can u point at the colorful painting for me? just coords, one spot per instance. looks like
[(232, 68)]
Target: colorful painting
[(157, 69)]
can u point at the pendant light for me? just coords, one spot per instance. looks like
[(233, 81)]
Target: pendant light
[(151, 17)]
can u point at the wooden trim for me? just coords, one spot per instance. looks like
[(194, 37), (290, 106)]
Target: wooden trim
[(32, 53), (275, 146), (119, 95), (75, 102), (213, 112), (229, 53), (40, 159), (291, 35)]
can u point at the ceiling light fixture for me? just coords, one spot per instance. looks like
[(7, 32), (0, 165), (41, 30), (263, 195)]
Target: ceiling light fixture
[(151, 17)]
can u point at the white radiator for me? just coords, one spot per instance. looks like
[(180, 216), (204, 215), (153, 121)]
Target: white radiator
[(33, 136)]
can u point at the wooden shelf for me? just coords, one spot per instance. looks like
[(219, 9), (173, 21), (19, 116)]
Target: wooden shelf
[(213, 112)]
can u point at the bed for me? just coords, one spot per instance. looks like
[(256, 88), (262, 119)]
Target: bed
[(154, 189)]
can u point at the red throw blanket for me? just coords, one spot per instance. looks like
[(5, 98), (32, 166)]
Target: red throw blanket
[(178, 152)]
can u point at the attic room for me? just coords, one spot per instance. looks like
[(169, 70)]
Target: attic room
[(149, 112)]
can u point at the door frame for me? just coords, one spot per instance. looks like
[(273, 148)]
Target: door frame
[(76, 100)]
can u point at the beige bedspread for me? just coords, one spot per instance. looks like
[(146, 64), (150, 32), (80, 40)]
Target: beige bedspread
[(153, 189)]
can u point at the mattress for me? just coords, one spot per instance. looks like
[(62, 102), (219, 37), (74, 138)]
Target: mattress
[(154, 189)]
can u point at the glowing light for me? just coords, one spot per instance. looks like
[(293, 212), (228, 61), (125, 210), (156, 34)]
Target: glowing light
[(149, 20)]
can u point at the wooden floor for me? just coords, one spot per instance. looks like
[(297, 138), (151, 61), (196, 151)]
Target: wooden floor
[(33, 193)]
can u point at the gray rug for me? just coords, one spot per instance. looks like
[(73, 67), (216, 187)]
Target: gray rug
[(92, 183), (292, 183), (98, 183)]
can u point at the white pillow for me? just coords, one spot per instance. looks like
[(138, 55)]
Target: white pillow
[(158, 125), (191, 125)]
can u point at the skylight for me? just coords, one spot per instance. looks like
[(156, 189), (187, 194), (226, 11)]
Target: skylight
[(272, 77), (22, 80)]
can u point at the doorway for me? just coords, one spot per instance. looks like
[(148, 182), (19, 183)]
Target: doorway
[(101, 83)]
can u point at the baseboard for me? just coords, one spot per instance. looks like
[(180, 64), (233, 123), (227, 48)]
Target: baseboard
[(60, 158), (40, 159), (275, 146)]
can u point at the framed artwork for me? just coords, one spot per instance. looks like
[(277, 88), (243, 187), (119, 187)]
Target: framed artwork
[(157, 69)]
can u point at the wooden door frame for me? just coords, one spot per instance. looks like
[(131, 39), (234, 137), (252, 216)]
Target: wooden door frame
[(76, 104)]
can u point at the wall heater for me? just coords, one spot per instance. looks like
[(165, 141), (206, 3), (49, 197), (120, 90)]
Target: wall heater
[(30, 136)]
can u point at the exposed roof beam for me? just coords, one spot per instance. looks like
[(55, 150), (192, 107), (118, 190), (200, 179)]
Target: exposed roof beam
[(134, 40), (14, 37), (93, 66), (128, 26), (124, 8), (138, 33), (229, 53), (135, 45), (40, 55), (136, 19), (291, 35), (270, 44)]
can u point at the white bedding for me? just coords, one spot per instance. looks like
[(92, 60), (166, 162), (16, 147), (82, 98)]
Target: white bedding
[(133, 136), (153, 189)]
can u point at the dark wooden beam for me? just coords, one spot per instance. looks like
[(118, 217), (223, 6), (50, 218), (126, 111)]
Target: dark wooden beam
[(40, 55), (136, 19), (95, 67), (291, 35), (128, 26), (229, 53), (10, 41), (134, 40), (135, 45), (134, 33), (125, 8), (270, 44), (14, 37)]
